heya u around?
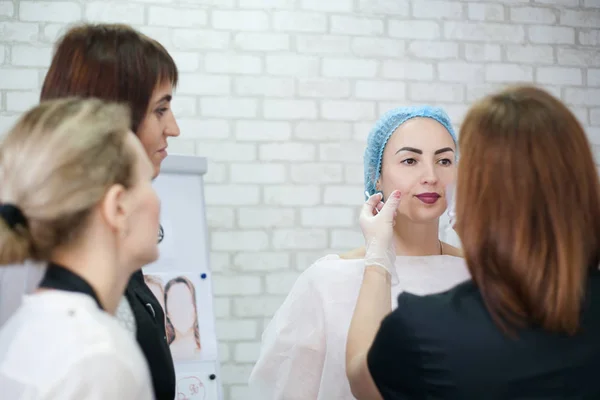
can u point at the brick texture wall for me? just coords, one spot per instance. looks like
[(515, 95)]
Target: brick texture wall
[(280, 95)]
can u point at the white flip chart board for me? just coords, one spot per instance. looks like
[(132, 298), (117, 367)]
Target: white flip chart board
[(181, 278)]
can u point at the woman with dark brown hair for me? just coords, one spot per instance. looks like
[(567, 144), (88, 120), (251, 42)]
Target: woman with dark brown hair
[(528, 324), (117, 63)]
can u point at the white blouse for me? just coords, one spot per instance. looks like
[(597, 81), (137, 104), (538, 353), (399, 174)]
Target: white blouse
[(60, 345), (304, 346), (19, 280)]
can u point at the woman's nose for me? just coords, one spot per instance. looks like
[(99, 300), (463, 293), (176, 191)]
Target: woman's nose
[(429, 175), (172, 129)]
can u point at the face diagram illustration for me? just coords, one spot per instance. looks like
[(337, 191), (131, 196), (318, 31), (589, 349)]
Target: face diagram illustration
[(178, 299)]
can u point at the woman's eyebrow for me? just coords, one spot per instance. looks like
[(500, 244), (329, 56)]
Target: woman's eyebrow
[(166, 98), (445, 149), (411, 149), (418, 151)]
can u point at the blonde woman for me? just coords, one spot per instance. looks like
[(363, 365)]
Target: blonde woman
[(115, 62), (76, 193)]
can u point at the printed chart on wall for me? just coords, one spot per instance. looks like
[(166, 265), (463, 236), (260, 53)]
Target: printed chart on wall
[(181, 278)]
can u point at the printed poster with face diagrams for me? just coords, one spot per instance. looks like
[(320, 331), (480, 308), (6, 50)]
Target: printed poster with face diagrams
[(181, 278)]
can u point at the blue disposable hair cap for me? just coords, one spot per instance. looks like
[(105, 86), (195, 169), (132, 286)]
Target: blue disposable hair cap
[(383, 130)]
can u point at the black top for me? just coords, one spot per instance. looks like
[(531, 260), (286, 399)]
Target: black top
[(446, 346), (61, 278), (151, 336)]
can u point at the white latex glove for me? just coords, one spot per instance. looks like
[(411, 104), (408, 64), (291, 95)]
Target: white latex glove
[(378, 229)]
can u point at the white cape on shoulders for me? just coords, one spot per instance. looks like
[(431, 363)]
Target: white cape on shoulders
[(303, 347)]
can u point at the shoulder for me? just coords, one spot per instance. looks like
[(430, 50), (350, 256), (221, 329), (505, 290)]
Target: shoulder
[(104, 336), (323, 278), (358, 253), (331, 269), (74, 336), (416, 315), (93, 331), (451, 250), (331, 264), (71, 319)]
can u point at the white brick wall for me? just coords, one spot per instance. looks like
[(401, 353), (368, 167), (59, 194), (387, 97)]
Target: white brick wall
[(280, 95)]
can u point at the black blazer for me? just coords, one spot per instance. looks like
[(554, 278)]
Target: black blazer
[(151, 336)]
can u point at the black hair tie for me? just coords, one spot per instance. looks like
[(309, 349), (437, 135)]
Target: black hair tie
[(12, 215)]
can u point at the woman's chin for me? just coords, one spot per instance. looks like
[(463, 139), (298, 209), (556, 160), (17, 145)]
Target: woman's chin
[(426, 215)]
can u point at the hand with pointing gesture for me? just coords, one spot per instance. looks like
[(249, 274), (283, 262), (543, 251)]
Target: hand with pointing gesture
[(378, 229)]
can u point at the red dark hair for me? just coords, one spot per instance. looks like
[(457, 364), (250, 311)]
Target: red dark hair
[(528, 208), (112, 62)]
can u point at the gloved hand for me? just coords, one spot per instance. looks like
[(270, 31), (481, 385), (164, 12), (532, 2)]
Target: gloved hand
[(377, 227)]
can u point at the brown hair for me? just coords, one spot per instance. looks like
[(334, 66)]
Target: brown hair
[(528, 208), (112, 62), (56, 164), (169, 325)]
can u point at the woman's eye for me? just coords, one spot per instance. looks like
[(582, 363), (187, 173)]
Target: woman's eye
[(409, 161), (445, 162), (161, 111)]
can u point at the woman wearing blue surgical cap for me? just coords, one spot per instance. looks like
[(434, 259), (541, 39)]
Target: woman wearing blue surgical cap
[(527, 325), (411, 149)]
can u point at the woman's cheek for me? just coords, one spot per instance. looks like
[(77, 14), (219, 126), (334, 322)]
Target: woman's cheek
[(449, 176), (398, 179)]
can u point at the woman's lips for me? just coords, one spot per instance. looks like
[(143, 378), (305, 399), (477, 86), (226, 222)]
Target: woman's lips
[(428, 198)]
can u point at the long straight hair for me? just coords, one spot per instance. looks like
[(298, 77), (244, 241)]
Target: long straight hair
[(528, 208)]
